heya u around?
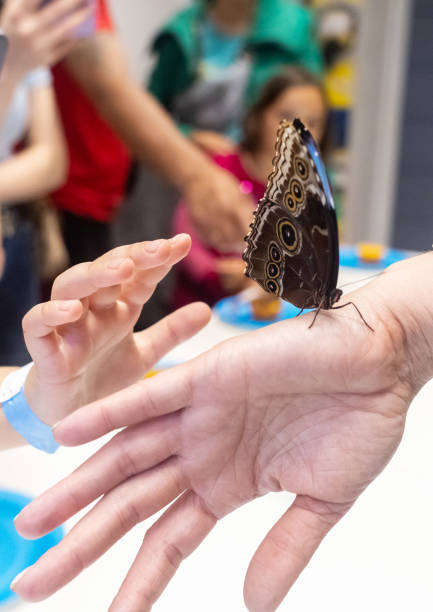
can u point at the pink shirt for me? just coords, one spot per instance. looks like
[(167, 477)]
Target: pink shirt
[(199, 269)]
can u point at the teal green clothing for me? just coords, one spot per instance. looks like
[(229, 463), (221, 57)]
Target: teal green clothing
[(220, 50), (283, 34)]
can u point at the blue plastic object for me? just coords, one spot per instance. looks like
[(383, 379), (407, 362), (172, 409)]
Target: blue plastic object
[(236, 310), (16, 553), (349, 257)]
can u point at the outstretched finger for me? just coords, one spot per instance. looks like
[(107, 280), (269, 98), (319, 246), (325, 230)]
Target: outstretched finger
[(286, 551), (130, 452), (40, 323), (179, 531), (114, 515), (86, 279), (168, 392), (141, 287), (145, 255), (157, 340)]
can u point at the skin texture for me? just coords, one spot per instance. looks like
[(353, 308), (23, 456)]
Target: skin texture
[(82, 340), (282, 408)]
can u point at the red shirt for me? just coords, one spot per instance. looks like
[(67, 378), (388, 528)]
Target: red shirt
[(99, 162)]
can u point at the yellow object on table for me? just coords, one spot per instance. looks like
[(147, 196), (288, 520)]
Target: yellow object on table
[(369, 251), (151, 373), (266, 308)]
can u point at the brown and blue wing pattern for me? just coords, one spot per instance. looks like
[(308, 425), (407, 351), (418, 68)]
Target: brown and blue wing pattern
[(293, 243)]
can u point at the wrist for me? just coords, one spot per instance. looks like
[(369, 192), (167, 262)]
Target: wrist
[(199, 173), (12, 73), (44, 405), (403, 305), (34, 398)]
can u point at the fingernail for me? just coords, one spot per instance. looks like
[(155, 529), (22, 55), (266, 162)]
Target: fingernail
[(18, 578), (65, 306), (179, 237), (152, 247), (116, 264)]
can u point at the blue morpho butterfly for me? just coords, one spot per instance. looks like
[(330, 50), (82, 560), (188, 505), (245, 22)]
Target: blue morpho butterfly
[(292, 247)]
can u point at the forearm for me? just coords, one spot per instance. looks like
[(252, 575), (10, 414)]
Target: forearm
[(151, 134), (30, 174), (9, 79), (100, 67)]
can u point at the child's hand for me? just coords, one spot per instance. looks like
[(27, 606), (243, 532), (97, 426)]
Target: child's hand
[(82, 341), (213, 142), (231, 274)]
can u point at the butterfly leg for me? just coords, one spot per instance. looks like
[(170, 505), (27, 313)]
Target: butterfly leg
[(357, 310), (317, 312)]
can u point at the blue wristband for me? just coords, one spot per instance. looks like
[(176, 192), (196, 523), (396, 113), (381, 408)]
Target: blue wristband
[(27, 424)]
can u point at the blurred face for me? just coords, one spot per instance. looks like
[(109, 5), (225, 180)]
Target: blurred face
[(304, 102), (247, 5)]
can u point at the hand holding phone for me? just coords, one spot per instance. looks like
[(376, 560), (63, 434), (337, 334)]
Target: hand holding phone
[(88, 27), (41, 33)]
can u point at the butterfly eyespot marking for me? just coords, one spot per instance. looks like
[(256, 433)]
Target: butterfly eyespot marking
[(275, 253), (272, 287), (295, 189), (288, 235), (290, 202), (272, 270), (301, 168)]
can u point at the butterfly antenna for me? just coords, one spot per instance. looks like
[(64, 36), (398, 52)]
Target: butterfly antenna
[(361, 280)]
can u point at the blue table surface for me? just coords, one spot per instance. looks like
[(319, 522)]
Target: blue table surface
[(16, 553)]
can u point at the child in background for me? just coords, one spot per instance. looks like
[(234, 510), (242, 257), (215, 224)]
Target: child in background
[(214, 57), (207, 274)]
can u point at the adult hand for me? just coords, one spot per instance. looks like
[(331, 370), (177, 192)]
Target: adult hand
[(220, 212), (41, 35), (213, 142), (82, 341), (318, 412)]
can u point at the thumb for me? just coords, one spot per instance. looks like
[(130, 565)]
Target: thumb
[(286, 551)]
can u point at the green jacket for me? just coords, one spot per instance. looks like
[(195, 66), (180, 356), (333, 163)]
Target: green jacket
[(283, 33)]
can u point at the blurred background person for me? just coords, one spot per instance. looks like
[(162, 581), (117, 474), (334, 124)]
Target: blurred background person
[(105, 115), (28, 116), (208, 274), (214, 57), (211, 60)]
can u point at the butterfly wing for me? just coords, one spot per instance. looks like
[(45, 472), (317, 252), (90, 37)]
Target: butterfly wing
[(293, 243)]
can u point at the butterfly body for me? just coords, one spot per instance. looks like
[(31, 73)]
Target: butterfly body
[(292, 247)]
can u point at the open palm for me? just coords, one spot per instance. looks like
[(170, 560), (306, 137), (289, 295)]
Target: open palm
[(317, 412)]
